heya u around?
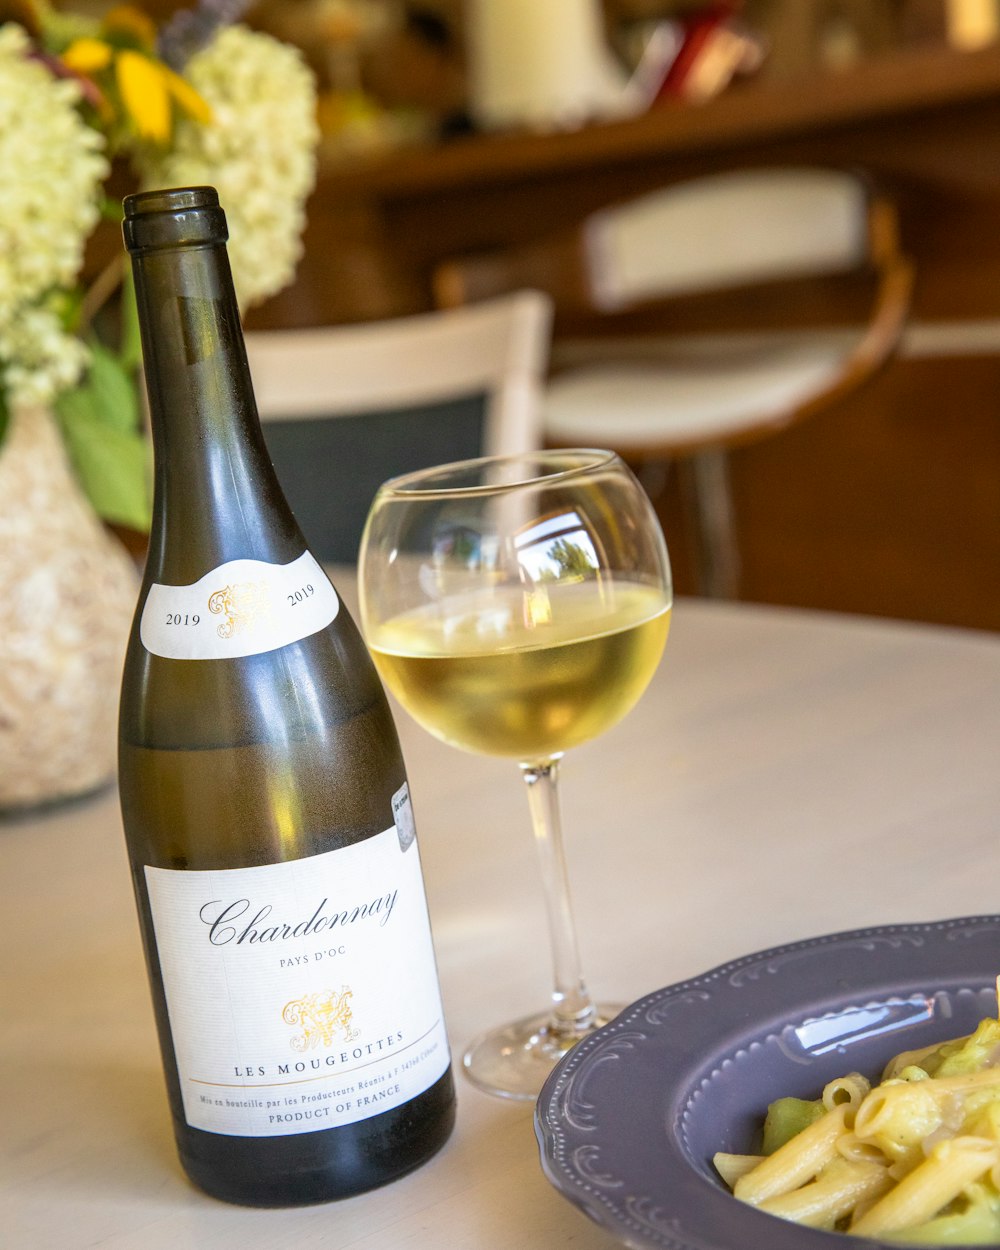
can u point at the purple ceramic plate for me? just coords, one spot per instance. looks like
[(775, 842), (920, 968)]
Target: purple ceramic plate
[(628, 1122)]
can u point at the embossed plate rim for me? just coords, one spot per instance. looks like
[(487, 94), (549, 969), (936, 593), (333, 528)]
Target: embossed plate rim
[(613, 1120)]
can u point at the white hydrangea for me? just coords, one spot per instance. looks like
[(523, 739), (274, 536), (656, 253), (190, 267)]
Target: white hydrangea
[(39, 358), (259, 152), (53, 166)]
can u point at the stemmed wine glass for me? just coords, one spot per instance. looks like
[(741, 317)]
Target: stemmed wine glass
[(518, 606)]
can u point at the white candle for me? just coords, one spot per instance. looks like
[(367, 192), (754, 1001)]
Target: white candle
[(541, 63)]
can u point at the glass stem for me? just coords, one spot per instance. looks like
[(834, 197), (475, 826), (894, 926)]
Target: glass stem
[(572, 1008)]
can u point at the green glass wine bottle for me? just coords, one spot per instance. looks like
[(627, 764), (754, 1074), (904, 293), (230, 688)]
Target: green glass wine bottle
[(265, 804)]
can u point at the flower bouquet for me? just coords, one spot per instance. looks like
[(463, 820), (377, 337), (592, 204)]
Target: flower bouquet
[(90, 108), (82, 100)]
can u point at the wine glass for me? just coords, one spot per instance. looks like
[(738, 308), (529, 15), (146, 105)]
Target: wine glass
[(518, 606)]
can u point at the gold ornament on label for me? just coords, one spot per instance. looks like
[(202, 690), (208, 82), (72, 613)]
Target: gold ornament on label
[(241, 604), (322, 1016)]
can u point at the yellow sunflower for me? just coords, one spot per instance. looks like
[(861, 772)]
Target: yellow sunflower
[(121, 62)]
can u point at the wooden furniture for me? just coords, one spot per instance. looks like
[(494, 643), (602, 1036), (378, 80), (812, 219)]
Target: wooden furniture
[(772, 748), (346, 407), (923, 120), (691, 398), (888, 506)]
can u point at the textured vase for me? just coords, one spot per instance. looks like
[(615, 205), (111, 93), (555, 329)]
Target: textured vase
[(67, 593)]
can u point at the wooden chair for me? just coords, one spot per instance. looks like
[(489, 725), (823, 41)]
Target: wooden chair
[(759, 236), (346, 407)]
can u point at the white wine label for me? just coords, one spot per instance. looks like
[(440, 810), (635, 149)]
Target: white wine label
[(301, 995), (242, 607)]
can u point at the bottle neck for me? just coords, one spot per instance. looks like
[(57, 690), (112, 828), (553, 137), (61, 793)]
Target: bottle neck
[(216, 497)]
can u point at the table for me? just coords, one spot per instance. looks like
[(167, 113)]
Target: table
[(776, 754)]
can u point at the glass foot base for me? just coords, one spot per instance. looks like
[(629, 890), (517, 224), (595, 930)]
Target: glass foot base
[(514, 1060)]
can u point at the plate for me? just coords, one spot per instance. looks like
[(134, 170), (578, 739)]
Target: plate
[(628, 1122)]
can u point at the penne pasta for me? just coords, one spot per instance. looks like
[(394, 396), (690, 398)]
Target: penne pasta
[(850, 1089), (851, 1147), (916, 1158), (798, 1161), (835, 1193), (897, 1118), (908, 1059), (920, 1195), (942, 1085), (731, 1167)]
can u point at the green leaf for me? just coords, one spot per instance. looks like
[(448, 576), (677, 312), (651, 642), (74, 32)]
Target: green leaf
[(101, 426), (130, 354), (112, 464), (113, 389), (112, 209)]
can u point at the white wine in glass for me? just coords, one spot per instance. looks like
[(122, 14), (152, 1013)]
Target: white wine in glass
[(518, 606)]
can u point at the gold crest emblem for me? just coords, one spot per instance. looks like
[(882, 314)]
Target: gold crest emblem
[(321, 1015), (241, 604)]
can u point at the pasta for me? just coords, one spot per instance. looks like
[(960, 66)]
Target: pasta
[(913, 1159)]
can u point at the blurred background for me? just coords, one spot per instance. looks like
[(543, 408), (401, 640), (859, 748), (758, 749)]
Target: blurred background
[(439, 140)]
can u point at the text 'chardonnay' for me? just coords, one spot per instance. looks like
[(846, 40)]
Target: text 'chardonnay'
[(265, 803)]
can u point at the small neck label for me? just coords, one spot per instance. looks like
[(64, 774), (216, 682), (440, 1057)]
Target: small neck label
[(243, 607)]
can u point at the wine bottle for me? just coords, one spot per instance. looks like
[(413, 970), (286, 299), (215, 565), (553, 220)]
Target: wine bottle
[(263, 794)]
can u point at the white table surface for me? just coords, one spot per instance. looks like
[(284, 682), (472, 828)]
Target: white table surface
[(775, 756)]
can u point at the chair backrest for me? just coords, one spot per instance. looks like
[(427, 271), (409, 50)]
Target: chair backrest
[(716, 233), (726, 230), (345, 407)]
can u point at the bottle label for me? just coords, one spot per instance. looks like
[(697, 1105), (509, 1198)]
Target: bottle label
[(302, 995), (243, 607)]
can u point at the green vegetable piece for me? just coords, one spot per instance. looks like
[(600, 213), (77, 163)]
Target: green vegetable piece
[(786, 1117), (957, 1057), (981, 1050), (977, 1226)]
